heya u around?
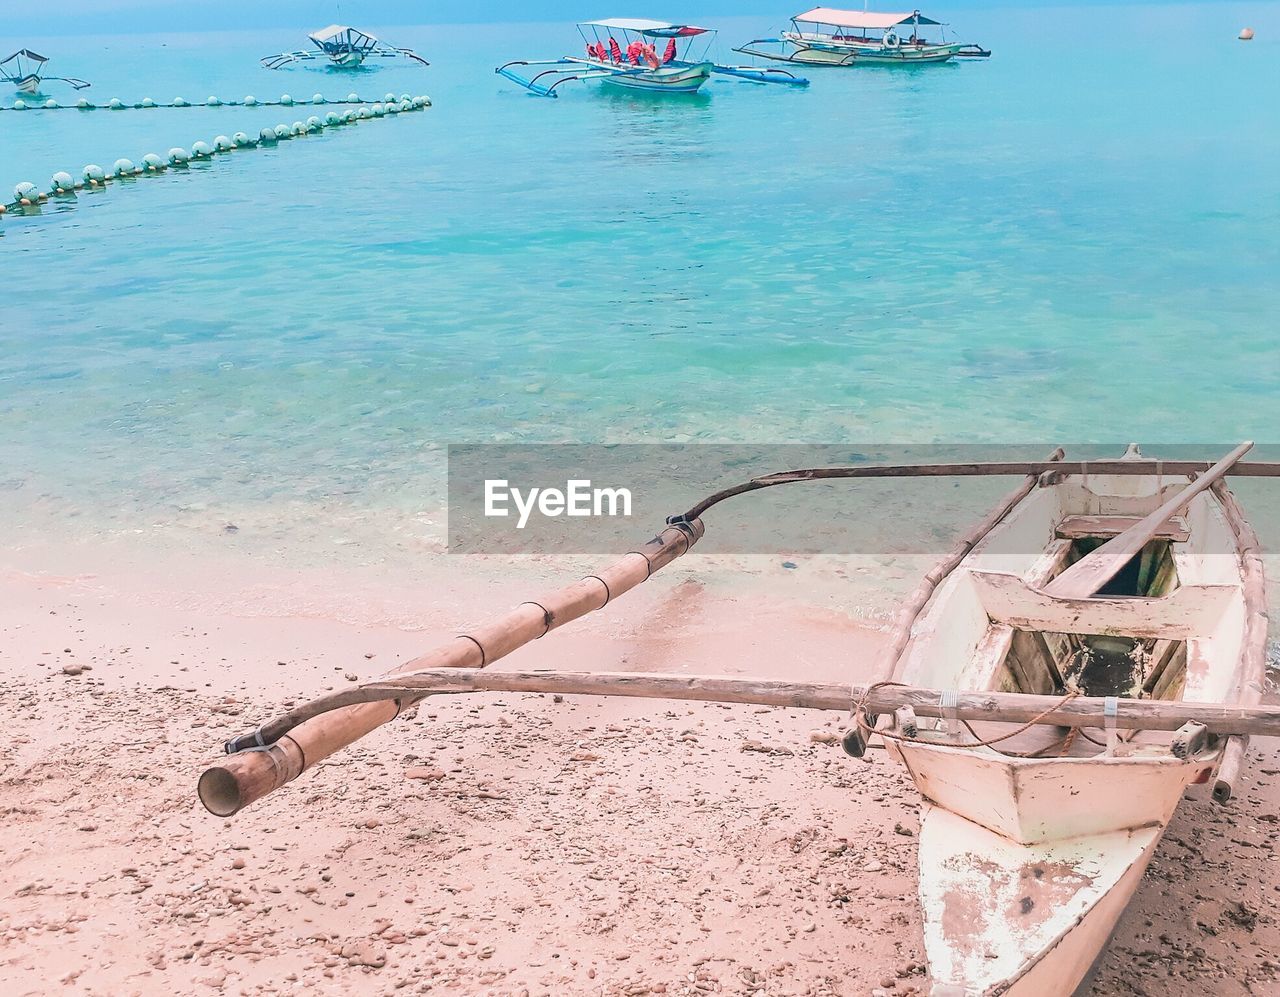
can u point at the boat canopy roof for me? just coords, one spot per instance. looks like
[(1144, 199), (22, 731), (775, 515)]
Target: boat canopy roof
[(861, 18), (658, 29), (341, 32), (25, 53)]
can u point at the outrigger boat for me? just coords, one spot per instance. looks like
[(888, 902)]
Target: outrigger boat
[(1091, 648), (25, 70), (344, 47), (826, 36), (624, 52)]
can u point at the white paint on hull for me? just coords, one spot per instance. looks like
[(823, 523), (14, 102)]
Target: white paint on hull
[(1021, 920)]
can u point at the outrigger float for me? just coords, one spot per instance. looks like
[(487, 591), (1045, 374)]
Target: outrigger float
[(25, 70), (1092, 647), (344, 47), (826, 36), (623, 52)]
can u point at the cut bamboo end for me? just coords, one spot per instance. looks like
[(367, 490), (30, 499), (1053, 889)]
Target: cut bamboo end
[(231, 784)]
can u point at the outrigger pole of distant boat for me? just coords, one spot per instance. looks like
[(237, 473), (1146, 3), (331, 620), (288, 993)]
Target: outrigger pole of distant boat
[(624, 52), (1088, 650), (825, 36), (24, 69), (345, 47)]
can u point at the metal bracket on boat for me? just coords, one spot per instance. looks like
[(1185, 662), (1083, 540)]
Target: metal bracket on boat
[(246, 742), (949, 704), (1110, 707)]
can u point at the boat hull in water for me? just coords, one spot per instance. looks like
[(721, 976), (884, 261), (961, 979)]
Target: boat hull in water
[(666, 79), (1031, 847)]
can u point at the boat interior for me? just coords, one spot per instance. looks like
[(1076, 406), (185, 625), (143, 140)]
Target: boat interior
[(1134, 638)]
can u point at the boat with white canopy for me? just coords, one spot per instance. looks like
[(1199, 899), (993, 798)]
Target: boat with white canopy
[(638, 54), (827, 36), (25, 70), (345, 47)]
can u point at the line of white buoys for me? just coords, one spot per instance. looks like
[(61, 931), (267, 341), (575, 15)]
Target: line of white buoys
[(94, 177), (147, 103)]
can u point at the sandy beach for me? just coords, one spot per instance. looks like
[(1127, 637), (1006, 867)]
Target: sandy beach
[(497, 844)]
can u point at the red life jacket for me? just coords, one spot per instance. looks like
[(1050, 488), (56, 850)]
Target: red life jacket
[(670, 53), (614, 49)]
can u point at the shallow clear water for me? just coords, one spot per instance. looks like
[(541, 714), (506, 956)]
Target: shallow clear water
[(1076, 240)]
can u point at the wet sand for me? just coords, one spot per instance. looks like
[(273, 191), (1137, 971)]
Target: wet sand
[(500, 844)]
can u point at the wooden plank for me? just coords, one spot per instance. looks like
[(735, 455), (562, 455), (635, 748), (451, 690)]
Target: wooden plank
[(1253, 656), (1093, 571), (1078, 527), (1186, 612)]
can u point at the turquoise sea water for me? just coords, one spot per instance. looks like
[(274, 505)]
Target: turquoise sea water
[(1078, 239)]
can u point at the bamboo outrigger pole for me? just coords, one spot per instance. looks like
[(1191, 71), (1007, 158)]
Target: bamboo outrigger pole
[(279, 752)]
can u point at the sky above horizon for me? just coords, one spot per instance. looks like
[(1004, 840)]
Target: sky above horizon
[(78, 17)]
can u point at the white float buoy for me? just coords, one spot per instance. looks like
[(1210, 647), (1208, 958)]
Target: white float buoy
[(285, 99), (223, 144), (116, 104), (179, 102), (314, 124), (201, 150), (178, 157), (26, 191), (94, 172), (250, 101), (19, 105), (152, 163), (282, 130), (148, 102), (298, 128), (84, 104), (317, 98), (1246, 34), (353, 98), (240, 139), (388, 98), (393, 107), (51, 103), (332, 118), (62, 182), (213, 102), (122, 167)]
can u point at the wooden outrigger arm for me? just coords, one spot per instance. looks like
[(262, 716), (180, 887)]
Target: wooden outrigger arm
[(279, 751), (228, 786)]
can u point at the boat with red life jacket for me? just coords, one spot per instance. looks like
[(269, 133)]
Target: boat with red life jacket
[(623, 52)]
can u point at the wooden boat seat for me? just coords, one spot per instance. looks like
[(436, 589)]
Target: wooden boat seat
[(1189, 611), (1080, 527)]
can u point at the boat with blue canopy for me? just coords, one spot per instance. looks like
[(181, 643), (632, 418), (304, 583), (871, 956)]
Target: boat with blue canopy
[(826, 36), (638, 54)]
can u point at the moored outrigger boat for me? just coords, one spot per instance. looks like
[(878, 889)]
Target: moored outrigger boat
[(827, 36), (624, 52), (1093, 646), (344, 47), (25, 70)]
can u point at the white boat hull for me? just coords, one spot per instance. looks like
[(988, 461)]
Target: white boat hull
[(833, 51), (347, 60), (1028, 857), (1021, 920), (29, 84), (665, 79)]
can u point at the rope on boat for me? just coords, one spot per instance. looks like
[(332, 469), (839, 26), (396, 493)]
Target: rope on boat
[(865, 723), (147, 104), (94, 177)]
